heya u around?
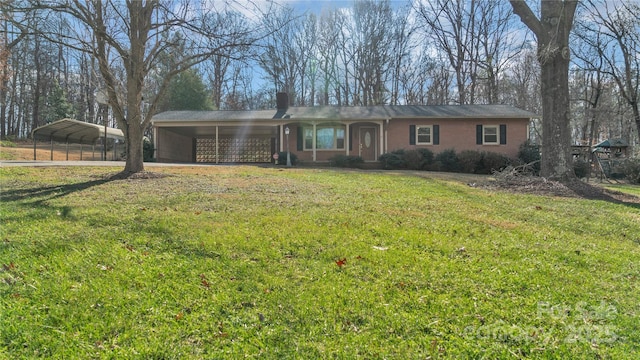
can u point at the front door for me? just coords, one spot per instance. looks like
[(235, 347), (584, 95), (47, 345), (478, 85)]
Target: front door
[(368, 143)]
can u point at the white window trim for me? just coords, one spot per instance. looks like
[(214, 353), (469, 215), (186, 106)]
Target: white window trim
[(335, 138), (484, 135), (430, 127)]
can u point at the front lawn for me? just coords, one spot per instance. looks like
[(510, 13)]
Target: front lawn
[(243, 261)]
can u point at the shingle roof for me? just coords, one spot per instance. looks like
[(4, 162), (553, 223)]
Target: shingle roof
[(381, 112)]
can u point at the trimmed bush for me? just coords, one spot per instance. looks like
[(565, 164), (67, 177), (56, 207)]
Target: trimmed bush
[(447, 160), (427, 157), (492, 162), (413, 160), (346, 161), (470, 161), (393, 160)]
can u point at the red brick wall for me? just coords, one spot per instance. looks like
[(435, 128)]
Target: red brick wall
[(459, 134)]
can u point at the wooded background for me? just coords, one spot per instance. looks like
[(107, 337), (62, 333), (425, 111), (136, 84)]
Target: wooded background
[(367, 53)]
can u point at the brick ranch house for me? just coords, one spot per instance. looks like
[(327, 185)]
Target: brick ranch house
[(318, 133)]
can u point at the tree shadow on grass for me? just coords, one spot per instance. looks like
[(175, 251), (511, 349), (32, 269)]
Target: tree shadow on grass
[(41, 194), (591, 192)]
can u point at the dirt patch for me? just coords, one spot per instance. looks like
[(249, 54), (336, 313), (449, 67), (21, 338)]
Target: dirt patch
[(542, 186), (142, 175)]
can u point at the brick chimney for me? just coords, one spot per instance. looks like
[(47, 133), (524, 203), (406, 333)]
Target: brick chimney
[(282, 100)]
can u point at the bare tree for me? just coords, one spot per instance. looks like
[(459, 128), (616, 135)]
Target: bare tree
[(451, 28), (130, 36), (6, 46), (552, 30), (614, 33)]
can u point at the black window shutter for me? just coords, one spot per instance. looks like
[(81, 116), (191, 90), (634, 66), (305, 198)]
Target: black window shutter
[(436, 134), (503, 134), (479, 134), (412, 134), (300, 140)]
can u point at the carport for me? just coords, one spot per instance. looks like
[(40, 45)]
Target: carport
[(76, 132)]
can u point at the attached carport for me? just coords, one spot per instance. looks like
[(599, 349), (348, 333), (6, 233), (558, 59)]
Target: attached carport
[(76, 132)]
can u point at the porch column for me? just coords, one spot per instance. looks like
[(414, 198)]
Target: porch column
[(347, 139), (281, 139), (314, 142), (381, 125), (386, 136)]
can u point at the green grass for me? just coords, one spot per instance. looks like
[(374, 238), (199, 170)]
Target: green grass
[(231, 262), (5, 155), (625, 188)]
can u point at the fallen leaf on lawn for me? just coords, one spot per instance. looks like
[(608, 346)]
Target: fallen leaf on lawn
[(104, 267), (341, 262)]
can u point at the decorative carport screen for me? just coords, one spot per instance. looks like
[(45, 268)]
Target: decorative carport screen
[(233, 145), (75, 132)]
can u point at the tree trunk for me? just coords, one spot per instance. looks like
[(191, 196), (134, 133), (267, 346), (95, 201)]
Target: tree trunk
[(134, 162), (556, 129), (552, 32)]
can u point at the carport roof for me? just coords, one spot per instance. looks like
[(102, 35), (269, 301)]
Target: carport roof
[(74, 131), (380, 112)]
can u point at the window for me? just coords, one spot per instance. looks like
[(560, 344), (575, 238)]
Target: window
[(423, 135), (327, 137), (490, 135)]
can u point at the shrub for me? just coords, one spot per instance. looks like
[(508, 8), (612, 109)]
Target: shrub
[(346, 161), (581, 168), (427, 157), (447, 160), (529, 153), (393, 160), (492, 162), (470, 161), (413, 160), (282, 158), (631, 170), (147, 150)]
